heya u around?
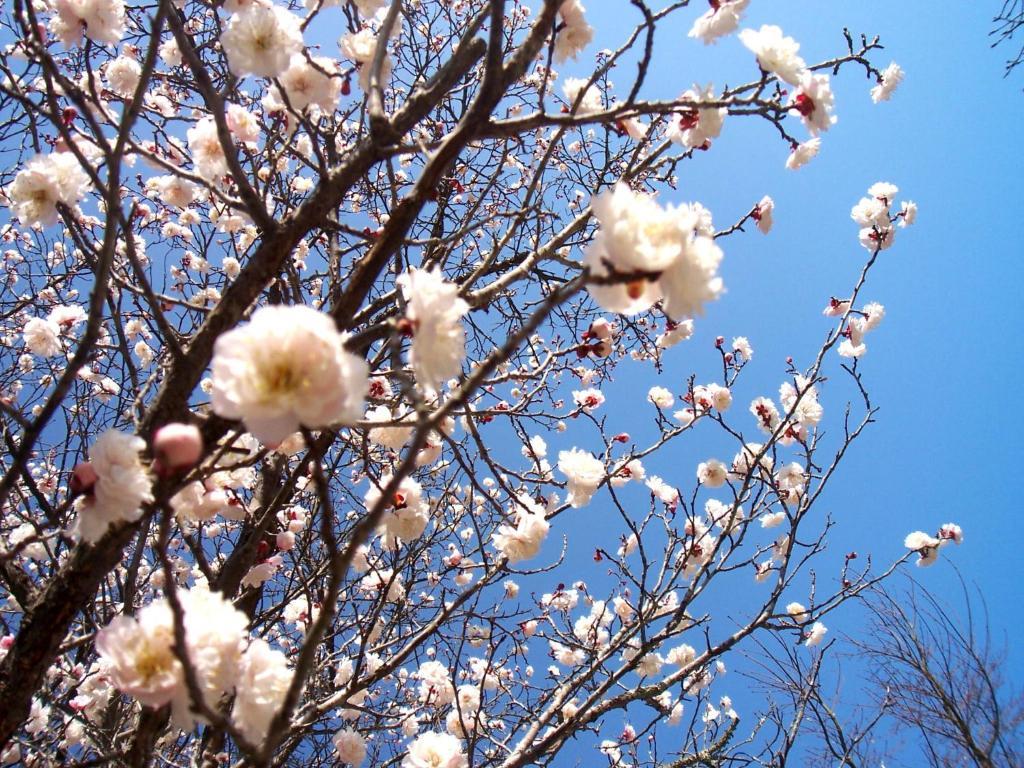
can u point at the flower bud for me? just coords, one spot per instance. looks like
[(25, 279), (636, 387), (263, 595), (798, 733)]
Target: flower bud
[(83, 478), (177, 447)]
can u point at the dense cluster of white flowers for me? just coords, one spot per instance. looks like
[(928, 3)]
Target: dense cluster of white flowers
[(139, 657), (643, 253), (45, 182), (928, 546), (253, 230), (434, 311), (115, 484)]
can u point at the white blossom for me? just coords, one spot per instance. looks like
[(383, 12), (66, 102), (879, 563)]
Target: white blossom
[(287, 367), (584, 474), (45, 182), (121, 488), (261, 39), (776, 53), (890, 79), (434, 310)]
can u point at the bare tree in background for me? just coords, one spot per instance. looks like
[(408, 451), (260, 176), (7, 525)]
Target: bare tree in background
[(1006, 25), (940, 676)]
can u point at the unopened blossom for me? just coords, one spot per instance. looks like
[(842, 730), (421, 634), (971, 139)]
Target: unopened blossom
[(262, 682), (123, 75), (121, 487), (178, 446), (435, 750), (890, 79), (434, 310), (309, 84), (721, 19), (261, 39), (776, 53), (584, 474), (698, 125), (523, 540), (591, 99), (643, 253), (815, 634), (102, 21), (762, 214), (287, 368), (575, 33), (803, 153), (350, 746), (813, 101), (45, 182)]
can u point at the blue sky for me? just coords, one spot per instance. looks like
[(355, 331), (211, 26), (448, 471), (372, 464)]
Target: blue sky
[(945, 365)]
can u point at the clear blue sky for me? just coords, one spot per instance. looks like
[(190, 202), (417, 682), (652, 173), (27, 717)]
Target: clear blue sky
[(945, 366)]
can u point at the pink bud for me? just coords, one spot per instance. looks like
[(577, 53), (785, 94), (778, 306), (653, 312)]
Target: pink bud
[(285, 541), (7, 642), (83, 478), (177, 447)]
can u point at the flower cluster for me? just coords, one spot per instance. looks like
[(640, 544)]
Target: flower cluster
[(45, 182), (114, 484), (644, 253), (876, 214), (928, 546), (434, 313)]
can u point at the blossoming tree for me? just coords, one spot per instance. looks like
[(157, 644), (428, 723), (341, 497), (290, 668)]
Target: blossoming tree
[(289, 325)]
